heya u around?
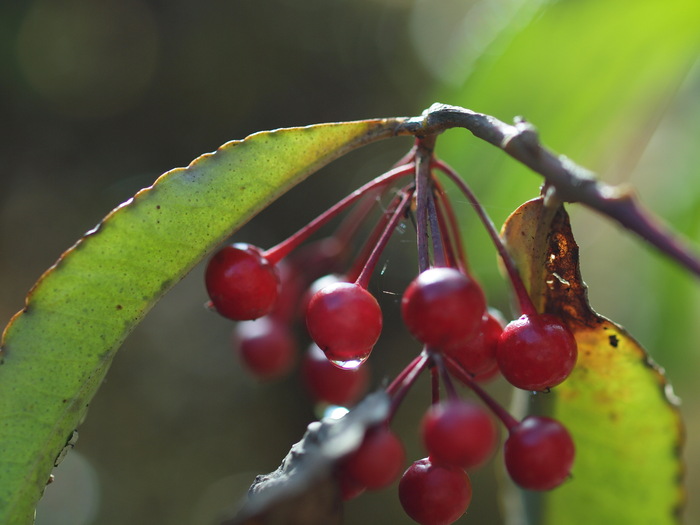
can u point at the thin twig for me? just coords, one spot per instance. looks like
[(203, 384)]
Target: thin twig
[(570, 182)]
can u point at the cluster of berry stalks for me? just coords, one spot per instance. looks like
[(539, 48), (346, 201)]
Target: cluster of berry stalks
[(444, 308)]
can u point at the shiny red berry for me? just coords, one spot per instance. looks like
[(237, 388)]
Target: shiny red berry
[(487, 375), (539, 453), (330, 384), (478, 354), (443, 306), (536, 352), (459, 433), (241, 283), (377, 462), (318, 285), (348, 487), (433, 494), (345, 321), (266, 347)]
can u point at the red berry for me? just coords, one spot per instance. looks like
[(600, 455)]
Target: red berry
[(487, 375), (289, 293), (345, 321), (377, 462), (328, 383), (536, 352), (539, 453), (459, 433), (442, 306), (434, 494), (321, 257), (241, 283), (478, 355), (318, 285), (266, 347), (349, 488)]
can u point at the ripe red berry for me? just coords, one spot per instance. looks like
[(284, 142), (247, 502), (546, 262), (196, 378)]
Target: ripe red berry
[(348, 487), (539, 453), (241, 283), (459, 433), (377, 462), (536, 352), (318, 285), (478, 355), (487, 375), (345, 321), (266, 347), (289, 293), (442, 306), (330, 384), (434, 494)]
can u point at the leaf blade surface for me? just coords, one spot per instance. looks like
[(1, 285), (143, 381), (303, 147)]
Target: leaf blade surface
[(56, 351)]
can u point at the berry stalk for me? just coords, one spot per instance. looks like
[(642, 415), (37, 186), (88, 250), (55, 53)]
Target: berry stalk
[(400, 386), (396, 216), (439, 255), (463, 375), (281, 250), (524, 301), (444, 374), (449, 224), (435, 384)]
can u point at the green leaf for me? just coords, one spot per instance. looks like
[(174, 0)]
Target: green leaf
[(616, 403), (594, 77), (56, 351)]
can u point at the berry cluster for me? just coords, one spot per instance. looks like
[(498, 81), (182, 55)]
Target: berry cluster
[(444, 308)]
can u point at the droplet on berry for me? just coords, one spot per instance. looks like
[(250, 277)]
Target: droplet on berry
[(433, 494), (536, 352), (345, 321), (266, 347), (241, 283), (442, 306), (377, 462), (330, 384), (539, 453), (459, 433)]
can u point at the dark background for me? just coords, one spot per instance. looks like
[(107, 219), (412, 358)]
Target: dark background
[(98, 98)]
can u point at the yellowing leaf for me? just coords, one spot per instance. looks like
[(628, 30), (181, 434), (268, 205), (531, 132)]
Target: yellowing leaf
[(616, 403)]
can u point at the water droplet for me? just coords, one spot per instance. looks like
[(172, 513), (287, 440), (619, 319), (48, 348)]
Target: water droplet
[(349, 362)]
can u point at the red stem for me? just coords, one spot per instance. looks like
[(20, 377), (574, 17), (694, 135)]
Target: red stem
[(361, 260), (446, 379), (397, 215), (435, 384), (448, 218), (403, 383), (280, 251), (526, 306), (439, 256), (352, 222), (463, 375)]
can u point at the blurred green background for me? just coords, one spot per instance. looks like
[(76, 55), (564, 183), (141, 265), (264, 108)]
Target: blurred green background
[(98, 98)]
